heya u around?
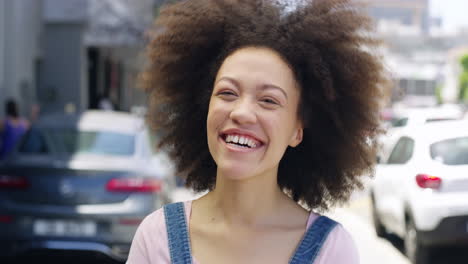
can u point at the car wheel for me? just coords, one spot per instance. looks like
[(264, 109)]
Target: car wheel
[(415, 251), (380, 230)]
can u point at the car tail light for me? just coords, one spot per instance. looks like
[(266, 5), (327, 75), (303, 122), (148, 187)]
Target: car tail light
[(130, 221), (5, 219), (13, 182), (428, 181), (133, 185)]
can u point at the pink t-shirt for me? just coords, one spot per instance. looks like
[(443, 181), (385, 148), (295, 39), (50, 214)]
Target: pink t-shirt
[(150, 242)]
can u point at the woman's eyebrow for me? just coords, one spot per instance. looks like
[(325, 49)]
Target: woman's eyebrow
[(272, 86), (263, 87), (229, 79)]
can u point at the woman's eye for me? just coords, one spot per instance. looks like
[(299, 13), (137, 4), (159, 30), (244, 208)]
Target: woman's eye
[(269, 101), (226, 94)]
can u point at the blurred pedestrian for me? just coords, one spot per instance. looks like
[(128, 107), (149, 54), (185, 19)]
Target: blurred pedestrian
[(11, 129), (34, 113), (269, 109), (104, 103)]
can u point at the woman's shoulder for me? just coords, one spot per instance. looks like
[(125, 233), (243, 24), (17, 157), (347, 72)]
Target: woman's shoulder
[(339, 247), (156, 221), (150, 241), (153, 221)]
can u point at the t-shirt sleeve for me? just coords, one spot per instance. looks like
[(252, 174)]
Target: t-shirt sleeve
[(138, 251), (149, 244), (338, 248)]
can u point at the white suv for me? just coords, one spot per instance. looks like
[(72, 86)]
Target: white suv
[(412, 116), (420, 191)]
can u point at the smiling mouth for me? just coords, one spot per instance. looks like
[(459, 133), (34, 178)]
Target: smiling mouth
[(241, 141)]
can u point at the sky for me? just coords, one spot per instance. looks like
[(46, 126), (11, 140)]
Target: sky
[(453, 12)]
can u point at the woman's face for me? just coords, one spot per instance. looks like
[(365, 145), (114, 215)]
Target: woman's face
[(252, 116)]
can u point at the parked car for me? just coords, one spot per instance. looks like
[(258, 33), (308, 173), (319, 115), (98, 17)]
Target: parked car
[(398, 118), (420, 191), (413, 116), (82, 183)]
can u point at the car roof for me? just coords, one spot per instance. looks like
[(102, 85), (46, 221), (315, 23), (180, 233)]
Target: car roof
[(438, 131), (421, 115), (94, 120)]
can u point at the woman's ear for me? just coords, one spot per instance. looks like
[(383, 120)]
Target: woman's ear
[(296, 139)]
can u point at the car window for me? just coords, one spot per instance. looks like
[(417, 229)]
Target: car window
[(108, 143), (399, 122), (155, 139), (402, 152), (146, 147), (451, 152), (72, 141)]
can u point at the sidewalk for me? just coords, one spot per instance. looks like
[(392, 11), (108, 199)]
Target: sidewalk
[(372, 249)]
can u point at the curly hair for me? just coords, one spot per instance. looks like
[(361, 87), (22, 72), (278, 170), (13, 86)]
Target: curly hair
[(329, 46)]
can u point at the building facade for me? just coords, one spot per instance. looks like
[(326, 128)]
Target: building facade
[(20, 52), (66, 54), (410, 15)]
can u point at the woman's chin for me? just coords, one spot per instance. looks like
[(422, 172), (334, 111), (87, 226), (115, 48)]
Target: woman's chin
[(235, 172)]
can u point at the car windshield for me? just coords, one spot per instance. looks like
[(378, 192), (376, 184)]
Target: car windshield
[(73, 142), (399, 122), (451, 152)]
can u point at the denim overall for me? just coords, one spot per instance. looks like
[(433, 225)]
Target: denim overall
[(179, 243)]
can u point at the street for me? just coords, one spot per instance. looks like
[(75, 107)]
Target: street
[(356, 218)]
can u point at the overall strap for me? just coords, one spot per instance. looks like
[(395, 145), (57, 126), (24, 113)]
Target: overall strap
[(177, 234), (313, 240)]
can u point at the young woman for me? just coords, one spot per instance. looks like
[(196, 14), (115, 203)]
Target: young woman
[(273, 111)]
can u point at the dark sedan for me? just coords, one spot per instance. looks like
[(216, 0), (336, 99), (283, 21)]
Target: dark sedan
[(81, 183)]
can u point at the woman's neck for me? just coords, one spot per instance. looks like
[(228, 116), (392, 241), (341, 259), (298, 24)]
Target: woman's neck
[(254, 201)]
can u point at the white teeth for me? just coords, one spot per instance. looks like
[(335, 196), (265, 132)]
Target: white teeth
[(240, 140)]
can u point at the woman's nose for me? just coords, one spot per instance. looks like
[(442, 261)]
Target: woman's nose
[(243, 112)]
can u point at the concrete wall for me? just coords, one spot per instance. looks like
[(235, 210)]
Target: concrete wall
[(20, 30), (63, 78), (63, 69), (2, 51)]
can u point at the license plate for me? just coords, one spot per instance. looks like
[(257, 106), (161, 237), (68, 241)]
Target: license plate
[(64, 228)]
